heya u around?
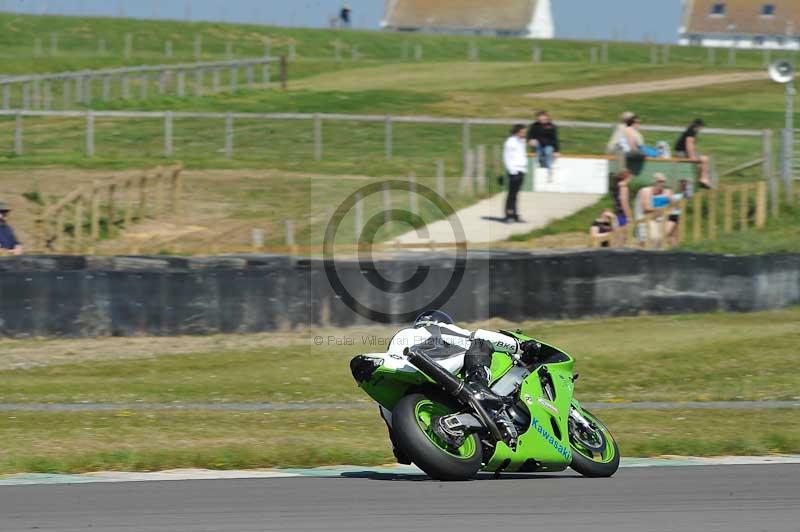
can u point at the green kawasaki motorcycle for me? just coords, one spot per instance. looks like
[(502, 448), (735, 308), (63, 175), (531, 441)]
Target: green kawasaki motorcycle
[(437, 421)]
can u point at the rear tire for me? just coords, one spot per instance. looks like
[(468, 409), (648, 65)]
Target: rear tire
[(601, 464), (410, 423)]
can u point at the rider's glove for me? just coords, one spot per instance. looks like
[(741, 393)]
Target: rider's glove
[(530, 350)]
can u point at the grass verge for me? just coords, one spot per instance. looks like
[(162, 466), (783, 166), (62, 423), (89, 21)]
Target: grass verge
[(128, 441), (699, 357)]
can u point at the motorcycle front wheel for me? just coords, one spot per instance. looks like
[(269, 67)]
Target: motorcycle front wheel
[(594, 451), (412, 424)]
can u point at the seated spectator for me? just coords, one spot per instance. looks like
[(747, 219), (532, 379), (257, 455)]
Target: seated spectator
[(604, 225), (673, 225), (632, 144), (650, 199), (614, 142), (543, 137), (686, 146), (8, 240)]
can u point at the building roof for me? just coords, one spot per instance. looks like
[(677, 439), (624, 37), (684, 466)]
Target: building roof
[(741, 17), (504, 15)]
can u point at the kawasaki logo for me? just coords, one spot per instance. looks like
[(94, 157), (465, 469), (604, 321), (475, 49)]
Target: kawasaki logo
[(563, 451)]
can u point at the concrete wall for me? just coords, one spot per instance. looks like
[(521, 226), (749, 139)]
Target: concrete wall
[(101, 296)]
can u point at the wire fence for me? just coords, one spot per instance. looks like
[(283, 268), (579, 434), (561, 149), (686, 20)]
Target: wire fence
[(67, 90)]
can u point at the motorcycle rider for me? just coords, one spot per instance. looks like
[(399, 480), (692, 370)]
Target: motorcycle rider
[(436, 334)]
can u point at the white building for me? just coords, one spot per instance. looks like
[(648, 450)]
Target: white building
[(751, 24), (531, 19)]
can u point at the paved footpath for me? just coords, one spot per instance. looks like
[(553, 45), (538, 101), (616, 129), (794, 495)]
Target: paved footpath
[(482, 222)]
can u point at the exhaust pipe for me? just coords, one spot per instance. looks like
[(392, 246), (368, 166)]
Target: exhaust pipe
[(455, 387)]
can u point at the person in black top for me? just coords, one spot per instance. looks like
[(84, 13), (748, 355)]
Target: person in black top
[(8, 240), (686, 147), (602, 227), (344, 15), (543, 137)]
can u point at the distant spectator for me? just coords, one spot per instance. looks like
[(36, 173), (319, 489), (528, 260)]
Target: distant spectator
[(622, 200), (515, 160), (603, 225), (8, 240), (614, 142), (649, 200), (543, 137), (633, 146), (686, 146), (344, 15), (673, 222)]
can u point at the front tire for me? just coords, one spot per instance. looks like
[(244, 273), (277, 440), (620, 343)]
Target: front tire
[(411, 423), (594, 453)]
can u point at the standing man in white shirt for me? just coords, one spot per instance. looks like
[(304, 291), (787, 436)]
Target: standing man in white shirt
[(515, 160)]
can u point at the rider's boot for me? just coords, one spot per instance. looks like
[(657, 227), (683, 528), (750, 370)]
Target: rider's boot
[(477, 361)]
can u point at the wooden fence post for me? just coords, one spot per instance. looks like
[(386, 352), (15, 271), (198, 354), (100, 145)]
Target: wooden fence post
[(682, 221), (95, 214), (181, 83), (412, 194), (290, 233), (111, 208), (168, 134), (727, 223), (128, 203), (89, 133), (744, 205), (162, 82), (125, 87), (6, 96), (465, 145), (440, 188), (712, 56), (26, 96), (198, 46), (234, 78), (284, 72), (761, 204), (251, 76), (78, 225), (48, 96), (59, 236), (106, 88), (387, 135), (359, 216), (18, 133), (176, 191), (229, 136), (199, 80), (142, 208), (265, 74), (386, 203), (317, 137), (215, 80), (712, 215), (480, 168), (769, 175), (697, 212), (144, 86)]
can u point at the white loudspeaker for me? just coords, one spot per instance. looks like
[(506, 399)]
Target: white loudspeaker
[(781, 71)]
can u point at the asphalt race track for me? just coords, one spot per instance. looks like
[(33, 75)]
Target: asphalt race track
[(653, 499)]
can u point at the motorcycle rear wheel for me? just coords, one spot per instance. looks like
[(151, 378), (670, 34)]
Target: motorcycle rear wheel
[(412, 427), (597, 454)]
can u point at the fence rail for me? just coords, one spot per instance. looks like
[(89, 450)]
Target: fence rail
[(317, 120), (81, 218), (742, 206), (36, 91)]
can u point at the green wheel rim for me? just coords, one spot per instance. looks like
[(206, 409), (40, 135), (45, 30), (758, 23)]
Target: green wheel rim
[(424, 412), (609, 449)]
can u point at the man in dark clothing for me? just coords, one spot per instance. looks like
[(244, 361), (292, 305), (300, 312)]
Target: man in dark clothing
[(344, 15), (543, 136), (8, 240), (687, 147)]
